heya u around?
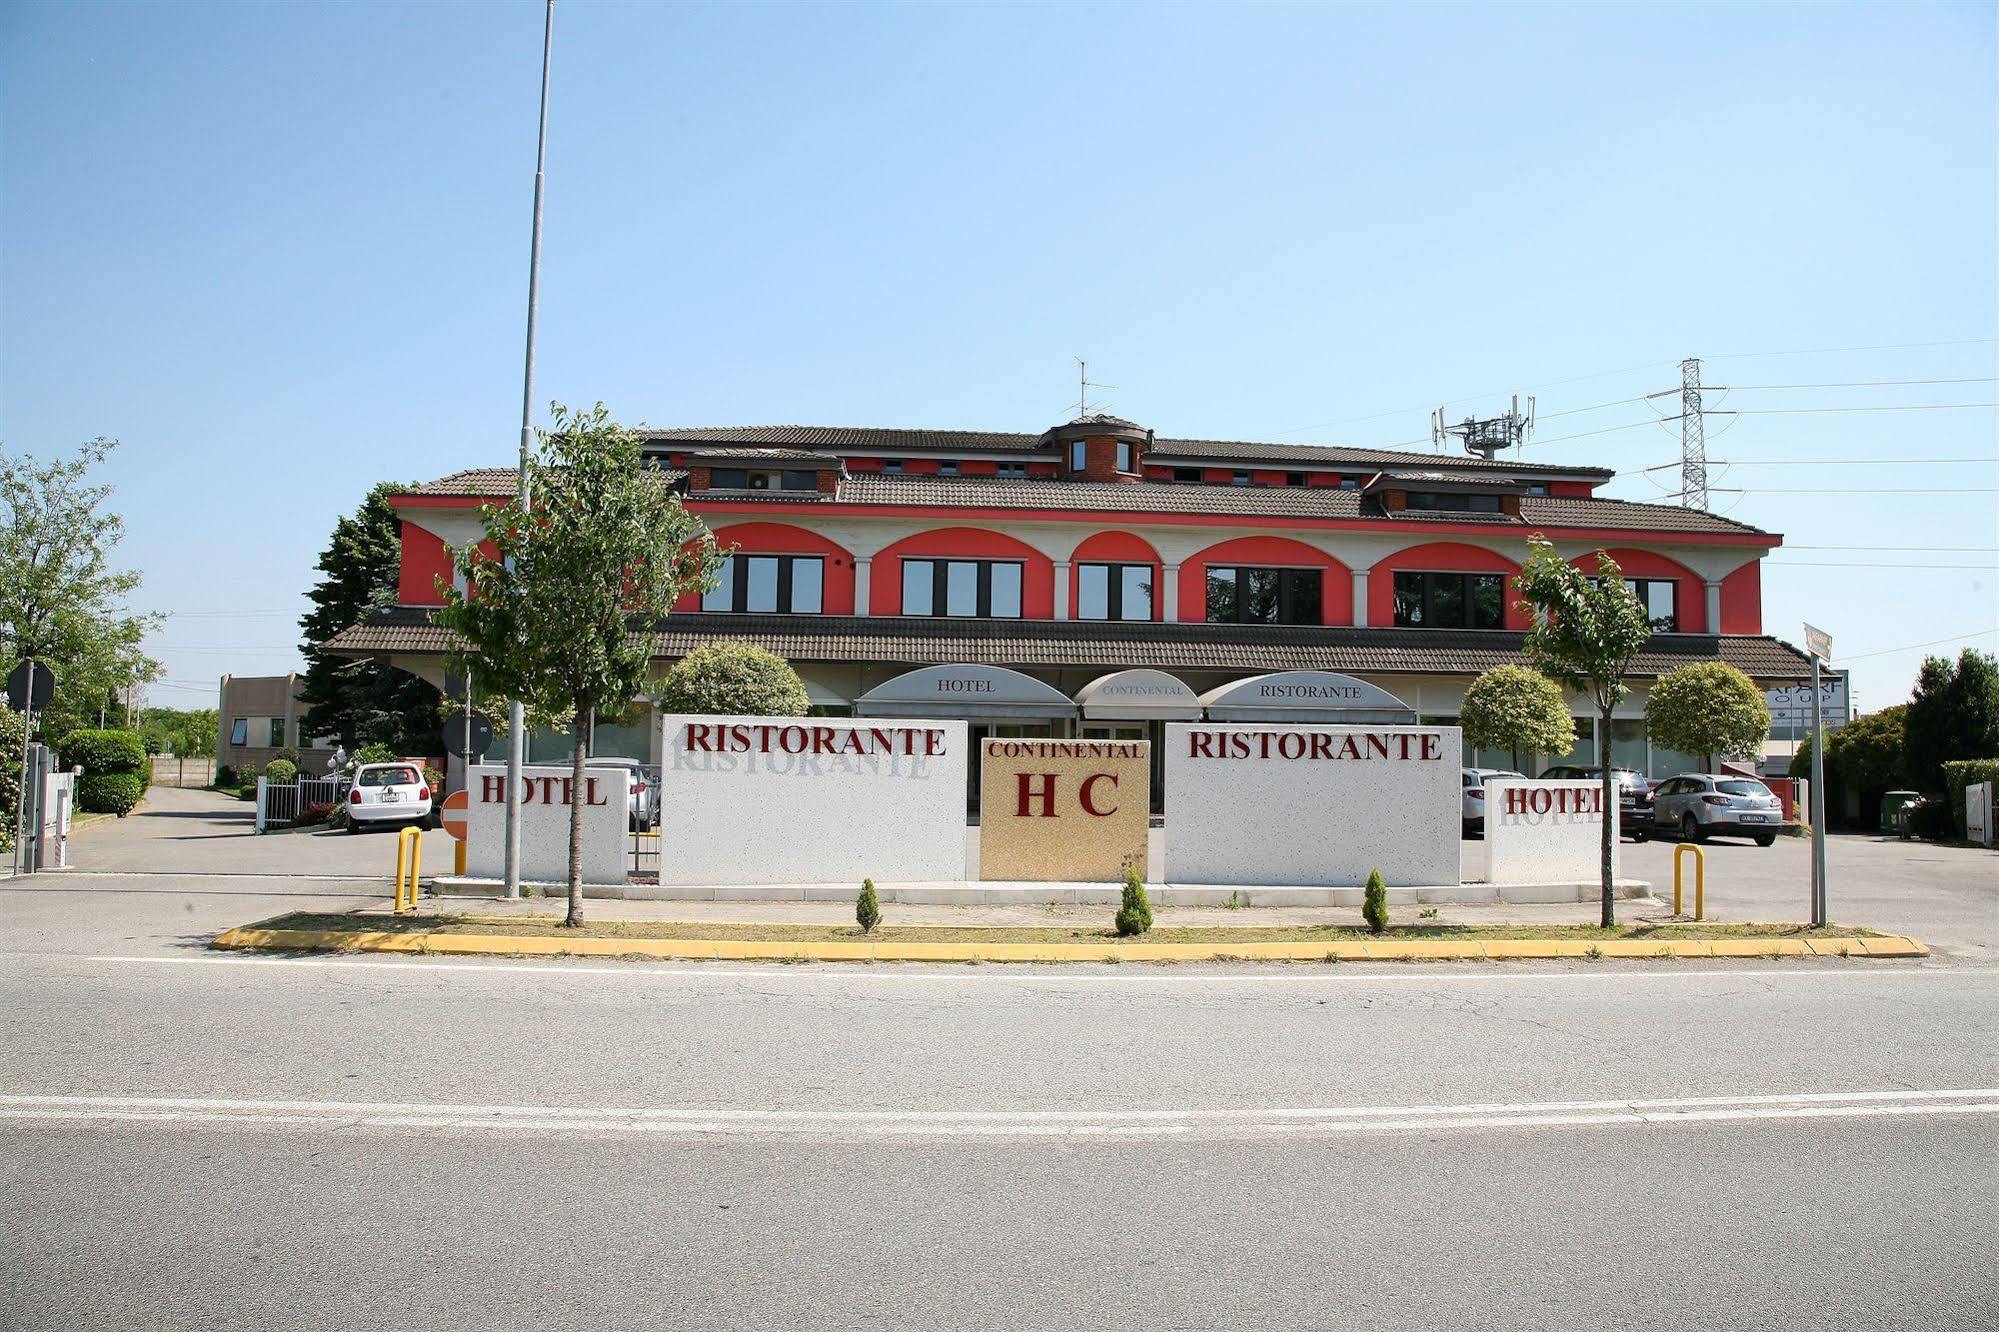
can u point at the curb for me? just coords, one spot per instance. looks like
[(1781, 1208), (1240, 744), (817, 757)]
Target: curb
[(1344, 950)]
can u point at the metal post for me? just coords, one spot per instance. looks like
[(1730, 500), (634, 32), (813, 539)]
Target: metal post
[(516, 715), (27, 734), (1820, 910)]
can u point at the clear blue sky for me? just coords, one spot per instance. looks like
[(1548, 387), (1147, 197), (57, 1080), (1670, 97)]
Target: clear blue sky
[(280, 252)]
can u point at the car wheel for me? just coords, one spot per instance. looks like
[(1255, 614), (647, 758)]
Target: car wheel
[(1690, 829), (1766, 839), (1639, 834), (353, 827)]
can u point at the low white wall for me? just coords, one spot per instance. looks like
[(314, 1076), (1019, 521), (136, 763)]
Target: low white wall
[(780, 800), (1311, 805), (545, 825), (1547, 831)]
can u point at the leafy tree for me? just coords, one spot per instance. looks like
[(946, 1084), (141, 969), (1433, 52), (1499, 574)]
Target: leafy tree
[(1515, 709), (548, 616), (13, 733), (1868, 752), (61, 599), (362, 702), (867, 908), (188, 733), (733, 678), (1953, 715), (1134, 913), (1708, 708), (1587, 631), (1374, 902)]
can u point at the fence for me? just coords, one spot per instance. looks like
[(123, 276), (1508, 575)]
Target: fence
[(183, 771), (282, 804), (645, 856)]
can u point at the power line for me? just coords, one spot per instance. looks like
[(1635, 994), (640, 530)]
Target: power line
[(1911, 647), (1864, 383), (1888, 490), (1831, 351), (1827, 462), (1895, 407)]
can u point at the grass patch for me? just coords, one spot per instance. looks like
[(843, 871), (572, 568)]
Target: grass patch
[(550, 927)]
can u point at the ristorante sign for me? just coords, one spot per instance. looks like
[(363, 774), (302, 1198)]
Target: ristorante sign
[(756, 800), (1311, 805)]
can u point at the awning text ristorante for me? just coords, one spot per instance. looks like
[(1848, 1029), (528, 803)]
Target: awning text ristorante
[(1394, 746)]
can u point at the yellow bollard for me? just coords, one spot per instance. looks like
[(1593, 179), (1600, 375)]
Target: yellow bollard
[(1700, 879), (409, 865), (458, 858)]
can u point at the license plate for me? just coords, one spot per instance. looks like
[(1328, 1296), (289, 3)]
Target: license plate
[(1752, 818), (390, 797)]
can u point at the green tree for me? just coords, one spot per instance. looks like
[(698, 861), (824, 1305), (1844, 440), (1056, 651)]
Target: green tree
[(62, 601), (1708, 708), (1587, 631), (12, 735), (1953, 715), (1868, 752), (1374, 902), (362, 702), (558, 614), (1518, 710), (1134, 913), (733, 678), (867, 908)]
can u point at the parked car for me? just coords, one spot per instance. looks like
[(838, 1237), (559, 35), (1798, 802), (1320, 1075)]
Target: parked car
[(388, 794), (639, 788), (1634, 795), (1700, 805), (1472, 802)]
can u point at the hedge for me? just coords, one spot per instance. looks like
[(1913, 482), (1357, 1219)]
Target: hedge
[(105, 752), (108, 792), (1960, 773), (280, 770)]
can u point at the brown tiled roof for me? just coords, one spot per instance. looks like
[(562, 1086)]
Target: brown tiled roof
[(916, 641), (866, 440), (820, 461), (497, 482)]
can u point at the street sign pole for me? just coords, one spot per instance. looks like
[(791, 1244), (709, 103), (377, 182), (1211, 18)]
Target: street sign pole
[(1819, 644), (27, 734)]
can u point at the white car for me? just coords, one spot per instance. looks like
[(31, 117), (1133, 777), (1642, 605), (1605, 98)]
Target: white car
[(638, 788), (392, 794), (1471, 813)]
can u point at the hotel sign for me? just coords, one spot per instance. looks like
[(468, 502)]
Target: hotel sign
[(1063, 810), (546, 794), (1546, 832)]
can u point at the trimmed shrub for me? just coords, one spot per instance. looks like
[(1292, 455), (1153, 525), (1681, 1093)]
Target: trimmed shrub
[(108, 792), (281, 770), (104, 752), (867, 911), (247, 791), (733, 678), (1709, 708), (1959, 774), (1134, 913), (1374, 903)]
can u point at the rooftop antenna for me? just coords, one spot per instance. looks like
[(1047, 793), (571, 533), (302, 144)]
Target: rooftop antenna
[(1083, 386), (1485, 437)]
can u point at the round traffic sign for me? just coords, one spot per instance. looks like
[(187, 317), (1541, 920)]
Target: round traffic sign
[(30, 685), (452, 813), (453, 734)]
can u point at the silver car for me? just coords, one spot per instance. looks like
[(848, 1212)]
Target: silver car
[(1471, 800), (639, 788), (1700, 805)]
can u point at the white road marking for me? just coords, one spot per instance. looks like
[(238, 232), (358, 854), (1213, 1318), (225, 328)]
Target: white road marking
[(999, 1123), (1427, 973)]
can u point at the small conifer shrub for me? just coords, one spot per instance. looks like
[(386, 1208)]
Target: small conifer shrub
[(867, 908), (1374, 906), (1134, 913)]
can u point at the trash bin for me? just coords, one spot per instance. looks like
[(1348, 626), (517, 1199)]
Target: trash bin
[(1895, 807)]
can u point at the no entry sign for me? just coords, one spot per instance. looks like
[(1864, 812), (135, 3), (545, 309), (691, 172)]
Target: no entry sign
[(451, 814)]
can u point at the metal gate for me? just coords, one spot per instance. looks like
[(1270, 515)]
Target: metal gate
[(282, 804), (644, 866)]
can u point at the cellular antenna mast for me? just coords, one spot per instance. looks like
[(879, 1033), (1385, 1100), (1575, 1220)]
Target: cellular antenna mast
[(1483, 438)]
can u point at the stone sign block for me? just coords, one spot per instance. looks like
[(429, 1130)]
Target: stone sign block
[(1311, 806), (545, 796), (811, 800), (1054, 810), (1546, 832)]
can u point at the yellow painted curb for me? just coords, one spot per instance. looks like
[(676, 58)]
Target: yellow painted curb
[(883, 950)]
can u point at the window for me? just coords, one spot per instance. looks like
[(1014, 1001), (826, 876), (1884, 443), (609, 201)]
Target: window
[(1078, 456), (1113, 591), (947, 469), (277, 732), (1537, 487), (1349, 483), (239, 731), (1450, 600), (780, 584), (1242, 595), (892, 466), (1296, 479), (1015, 469), (1660, 597), (1239, 479), (1123, 457), (1451, 503), (962, 589), (1187, 475)]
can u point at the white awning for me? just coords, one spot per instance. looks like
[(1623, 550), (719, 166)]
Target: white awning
[(970, 691), (1138, 695), (1319, 697)]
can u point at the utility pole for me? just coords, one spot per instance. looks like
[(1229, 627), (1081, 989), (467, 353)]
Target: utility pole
[(516, 715), (1693, 437)]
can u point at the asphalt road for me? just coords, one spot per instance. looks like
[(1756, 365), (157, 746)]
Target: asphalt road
[(199, 1140)]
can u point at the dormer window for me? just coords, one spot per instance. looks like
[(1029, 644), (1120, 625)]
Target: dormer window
[(1013, 469), (1453, 503), (947, 469), (1239, 479), (741, 478), (1079, 455), (892, 466), (1349, 483), (1123, 456), (1187, 476), (1537, 487), (1295, 479)]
